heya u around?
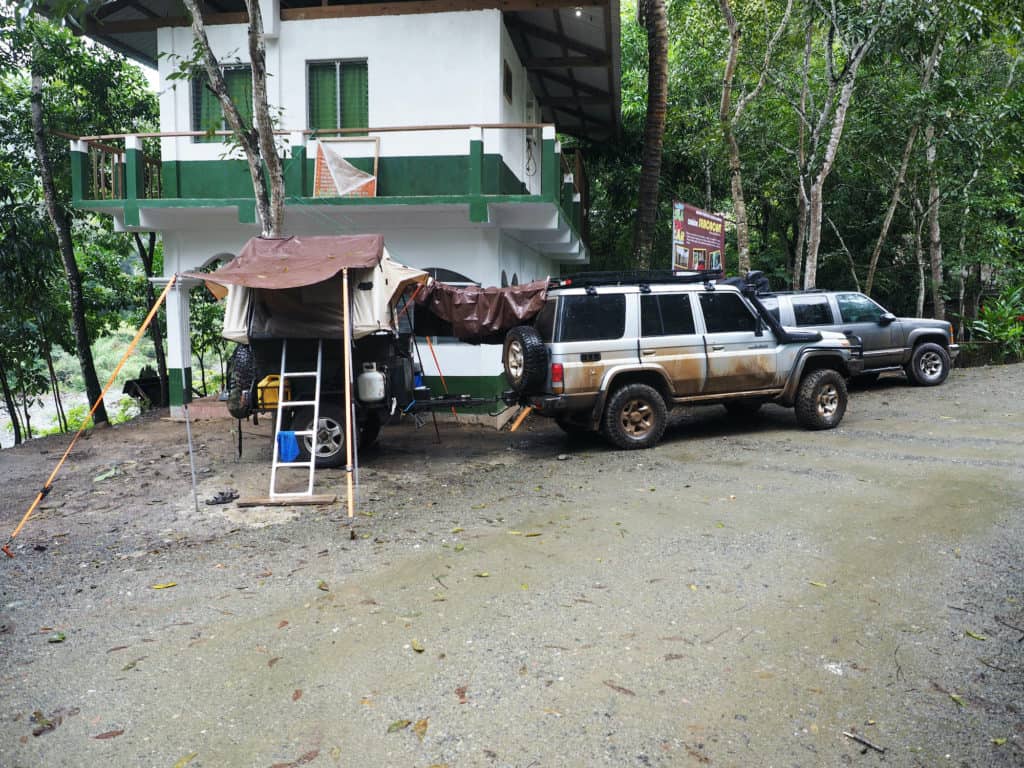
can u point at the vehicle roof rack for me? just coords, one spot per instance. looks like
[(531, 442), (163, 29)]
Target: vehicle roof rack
[(792, 293), (634, 276)]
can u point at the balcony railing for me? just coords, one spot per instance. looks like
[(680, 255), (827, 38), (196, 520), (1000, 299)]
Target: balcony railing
[(127, 167)]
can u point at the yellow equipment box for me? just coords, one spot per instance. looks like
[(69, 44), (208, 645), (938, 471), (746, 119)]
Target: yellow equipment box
[(266, 391)]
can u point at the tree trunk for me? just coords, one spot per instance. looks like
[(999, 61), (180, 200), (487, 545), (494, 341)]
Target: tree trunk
[(801, 161), (818, 187), (62, 226), (727, 118), (12, 408), (653, 17), (156, 333), (917, 221), (248, 137), (62, 420), (901, 175), (264, 125), (934, 231)]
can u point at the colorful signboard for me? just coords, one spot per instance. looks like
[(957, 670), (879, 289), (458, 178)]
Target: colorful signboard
[(698, 239)]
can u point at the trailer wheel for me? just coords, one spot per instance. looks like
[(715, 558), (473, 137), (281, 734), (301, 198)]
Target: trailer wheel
[(330, 435), (525, 359)]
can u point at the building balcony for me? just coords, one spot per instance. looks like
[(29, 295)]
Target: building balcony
[(513, 177)]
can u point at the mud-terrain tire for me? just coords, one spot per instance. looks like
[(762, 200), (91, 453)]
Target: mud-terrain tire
[(525, 359), (929, 365), (330, 442), (821, 399), (743, 409), (635, 417), (241, 372)]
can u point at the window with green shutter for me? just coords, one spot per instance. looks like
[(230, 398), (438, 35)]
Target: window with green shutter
[(207, 114), (338, 95)]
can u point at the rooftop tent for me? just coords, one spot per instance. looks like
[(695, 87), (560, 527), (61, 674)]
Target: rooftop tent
[(291, 287)]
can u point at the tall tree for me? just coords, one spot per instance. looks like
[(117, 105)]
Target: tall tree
[(729, 116), (653, 18)]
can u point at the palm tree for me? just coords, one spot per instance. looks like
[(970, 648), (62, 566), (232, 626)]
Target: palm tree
[(655, 21)]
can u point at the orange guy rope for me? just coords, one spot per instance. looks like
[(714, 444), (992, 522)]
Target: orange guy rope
[(444, 384), (131, 348)]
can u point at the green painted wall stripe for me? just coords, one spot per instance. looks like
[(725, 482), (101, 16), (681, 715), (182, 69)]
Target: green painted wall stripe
[(179, 385)]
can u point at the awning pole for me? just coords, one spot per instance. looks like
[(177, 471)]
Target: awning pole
[(348, 393)]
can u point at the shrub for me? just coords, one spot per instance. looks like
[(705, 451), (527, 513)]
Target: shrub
[(1001, 320)]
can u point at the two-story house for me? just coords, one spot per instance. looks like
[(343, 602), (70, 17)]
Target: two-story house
[(451, 105)]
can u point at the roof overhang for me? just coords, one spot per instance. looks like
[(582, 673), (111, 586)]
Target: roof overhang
[(571, 52)]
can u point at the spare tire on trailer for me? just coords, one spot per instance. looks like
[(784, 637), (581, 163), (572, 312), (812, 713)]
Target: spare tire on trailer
[(525, 359), (241, 373)]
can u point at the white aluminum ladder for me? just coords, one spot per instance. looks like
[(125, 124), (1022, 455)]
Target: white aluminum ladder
[(310, 465)]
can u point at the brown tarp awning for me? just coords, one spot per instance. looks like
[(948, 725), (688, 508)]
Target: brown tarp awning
[(483, 315), (294, 262)]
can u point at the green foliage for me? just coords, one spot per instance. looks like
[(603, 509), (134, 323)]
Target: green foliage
[(1001, 320)]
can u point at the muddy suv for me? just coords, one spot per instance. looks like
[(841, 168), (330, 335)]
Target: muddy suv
[(614, 353), (923, 349)]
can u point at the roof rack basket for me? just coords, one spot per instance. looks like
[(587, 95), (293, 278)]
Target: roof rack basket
[(633, 276)]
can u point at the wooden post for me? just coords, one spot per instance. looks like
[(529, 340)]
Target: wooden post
[(348, 392)]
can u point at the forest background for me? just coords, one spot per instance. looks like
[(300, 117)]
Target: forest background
[(850, 145)]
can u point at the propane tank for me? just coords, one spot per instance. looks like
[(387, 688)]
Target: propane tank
[(370, 384)]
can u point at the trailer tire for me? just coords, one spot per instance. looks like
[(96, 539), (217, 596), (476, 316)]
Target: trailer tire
[(241, 374), (525, 359), (330, 448)]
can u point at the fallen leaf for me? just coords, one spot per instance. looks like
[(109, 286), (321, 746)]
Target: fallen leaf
[(459, 547), (273, 661), (461, 693), (283, 624), (975, 635), (43, 723), (56, 637), (693, 587), (117, 648), (322, 586), (417, 646), (958, 700), (619, 688), (533, 534), (398, 725), (515, 533), (109, 734), (297, 694), (166, 585), (420, 729), (105, 475), (186, 760), (482, 575), (818, 584), (999, 742), (458, 530)]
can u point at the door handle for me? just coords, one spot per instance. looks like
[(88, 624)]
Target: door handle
[(647, 351), (717, 347)]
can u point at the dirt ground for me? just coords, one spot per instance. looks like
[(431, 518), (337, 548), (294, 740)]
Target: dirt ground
[(741, 595)]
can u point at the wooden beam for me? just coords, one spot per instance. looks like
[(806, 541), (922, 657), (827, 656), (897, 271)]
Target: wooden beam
[(532, 30), (292, 501), (94, 27), (429, 6), (560, 62)]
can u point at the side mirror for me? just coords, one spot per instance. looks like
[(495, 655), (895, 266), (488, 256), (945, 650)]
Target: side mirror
[(886, 318)]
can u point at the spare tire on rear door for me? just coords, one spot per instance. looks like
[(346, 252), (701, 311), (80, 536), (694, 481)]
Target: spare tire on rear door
[(525, 359)]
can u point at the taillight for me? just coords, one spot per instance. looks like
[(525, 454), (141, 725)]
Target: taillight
[(557, 377)]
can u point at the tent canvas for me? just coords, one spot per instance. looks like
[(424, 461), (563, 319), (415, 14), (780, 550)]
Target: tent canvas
[(292, 288)]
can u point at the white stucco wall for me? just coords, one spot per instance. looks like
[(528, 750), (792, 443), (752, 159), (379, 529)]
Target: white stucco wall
[(423, 69)]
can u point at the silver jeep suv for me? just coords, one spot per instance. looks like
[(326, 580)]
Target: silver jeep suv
[(613, 354)]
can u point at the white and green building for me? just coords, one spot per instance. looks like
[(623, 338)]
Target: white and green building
[(461, 102)]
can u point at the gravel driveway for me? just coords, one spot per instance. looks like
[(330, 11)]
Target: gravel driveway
[(741, 595)]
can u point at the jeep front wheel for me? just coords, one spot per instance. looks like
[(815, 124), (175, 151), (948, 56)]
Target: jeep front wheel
[(821, 400), (525, 359), (635, 417)]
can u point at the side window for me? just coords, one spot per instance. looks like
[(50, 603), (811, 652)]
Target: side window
[(857, 308), (772, 305), (666, 314), (593, 318), (545, 322), (812, 310), (726, 313), (207, 114)]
